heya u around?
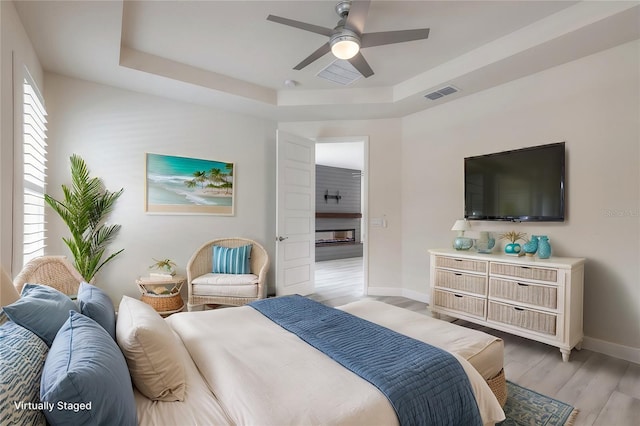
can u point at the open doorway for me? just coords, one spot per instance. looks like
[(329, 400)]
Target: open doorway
[(341, 211)]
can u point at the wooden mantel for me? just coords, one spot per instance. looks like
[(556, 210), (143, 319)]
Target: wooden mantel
[(320, 215)]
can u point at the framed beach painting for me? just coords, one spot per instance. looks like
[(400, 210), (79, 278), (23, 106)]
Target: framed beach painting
[(188, 185)]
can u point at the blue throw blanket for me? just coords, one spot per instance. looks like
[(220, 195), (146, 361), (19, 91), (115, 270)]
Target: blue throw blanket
[(425, 385)]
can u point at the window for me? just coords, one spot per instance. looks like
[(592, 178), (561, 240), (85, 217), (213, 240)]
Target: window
[(34, 172)]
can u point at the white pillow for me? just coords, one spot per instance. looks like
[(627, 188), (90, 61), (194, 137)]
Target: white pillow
[(150, 348)]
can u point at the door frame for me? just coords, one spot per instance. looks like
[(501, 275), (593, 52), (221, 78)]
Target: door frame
[(364, 199)]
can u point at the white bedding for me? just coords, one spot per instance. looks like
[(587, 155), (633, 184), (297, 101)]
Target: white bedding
[(483, 351), (200, 407), (260, 374)]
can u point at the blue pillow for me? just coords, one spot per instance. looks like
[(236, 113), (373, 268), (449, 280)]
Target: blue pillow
[(228, 260), (86, 377), (42, 310), (95, 304), (22, 356)]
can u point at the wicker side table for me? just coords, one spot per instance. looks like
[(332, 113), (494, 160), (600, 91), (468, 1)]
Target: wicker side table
[(162, 294)]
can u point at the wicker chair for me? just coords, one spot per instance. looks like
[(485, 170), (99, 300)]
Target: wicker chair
[(224, 289), (54, 271)]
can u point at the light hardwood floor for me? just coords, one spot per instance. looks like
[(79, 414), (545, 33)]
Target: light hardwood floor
[(606, 390)]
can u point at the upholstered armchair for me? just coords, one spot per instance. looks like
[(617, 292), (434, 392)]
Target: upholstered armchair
[(213, 279), (54, 271)]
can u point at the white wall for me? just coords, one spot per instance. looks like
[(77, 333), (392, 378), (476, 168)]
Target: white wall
[(112, 129), (16, 53), (593, 105), (384, 191)]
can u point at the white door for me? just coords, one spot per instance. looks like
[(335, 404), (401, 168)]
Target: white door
[(295, 214)]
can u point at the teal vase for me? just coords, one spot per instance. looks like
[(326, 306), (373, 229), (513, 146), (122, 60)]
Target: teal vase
[(512, 248), (531, 246), (544, 247)]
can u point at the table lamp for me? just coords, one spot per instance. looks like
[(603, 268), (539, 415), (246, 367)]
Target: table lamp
[(461, 242)]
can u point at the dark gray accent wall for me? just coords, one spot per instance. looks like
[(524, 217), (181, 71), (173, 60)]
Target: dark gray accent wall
[(338, 252), (348, 183), (334, 179)]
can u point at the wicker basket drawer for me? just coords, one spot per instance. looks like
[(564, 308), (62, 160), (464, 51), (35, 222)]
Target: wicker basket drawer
[(461, 264), (522, 317), (462, 282), (471, 305), (533, 294), (526, 272)]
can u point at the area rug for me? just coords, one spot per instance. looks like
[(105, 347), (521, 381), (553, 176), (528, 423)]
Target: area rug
[(525, 407)]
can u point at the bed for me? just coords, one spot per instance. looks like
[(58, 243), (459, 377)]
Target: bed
[(231, 366), (259, 373)]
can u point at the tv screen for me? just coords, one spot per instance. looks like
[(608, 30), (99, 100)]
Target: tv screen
[(521, 185)]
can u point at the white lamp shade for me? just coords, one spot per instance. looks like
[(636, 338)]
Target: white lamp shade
[(346, 48), (461, 225)]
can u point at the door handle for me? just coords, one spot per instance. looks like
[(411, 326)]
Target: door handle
[(281, 238)]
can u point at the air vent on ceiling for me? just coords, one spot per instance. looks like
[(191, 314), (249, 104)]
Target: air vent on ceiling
[(437, 94), (340, 72)]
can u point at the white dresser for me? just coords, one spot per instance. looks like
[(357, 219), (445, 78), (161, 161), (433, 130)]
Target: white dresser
[(540, 299)]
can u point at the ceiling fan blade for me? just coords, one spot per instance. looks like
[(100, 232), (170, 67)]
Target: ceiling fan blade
[(322, 50), (390, 37), (361, 65), (357, 15), (301, 25)]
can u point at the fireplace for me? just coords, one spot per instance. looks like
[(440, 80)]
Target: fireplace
[(335, 236)]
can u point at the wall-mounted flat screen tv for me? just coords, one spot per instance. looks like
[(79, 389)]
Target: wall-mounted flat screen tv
[(521, 185)]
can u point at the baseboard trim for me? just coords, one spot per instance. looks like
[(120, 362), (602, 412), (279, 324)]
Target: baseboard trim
[(384, 291), (398, 292), (615, 350), (416, 295)]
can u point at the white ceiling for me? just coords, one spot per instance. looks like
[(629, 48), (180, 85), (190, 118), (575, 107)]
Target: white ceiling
[(226, 54), (346, 155)]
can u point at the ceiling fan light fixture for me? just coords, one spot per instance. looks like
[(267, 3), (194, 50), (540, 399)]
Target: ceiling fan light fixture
[(345, 46), (347, 37)]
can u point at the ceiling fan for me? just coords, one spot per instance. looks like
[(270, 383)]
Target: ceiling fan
[(347, 38)]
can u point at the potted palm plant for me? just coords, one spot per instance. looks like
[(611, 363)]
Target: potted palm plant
[(85, 206)]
